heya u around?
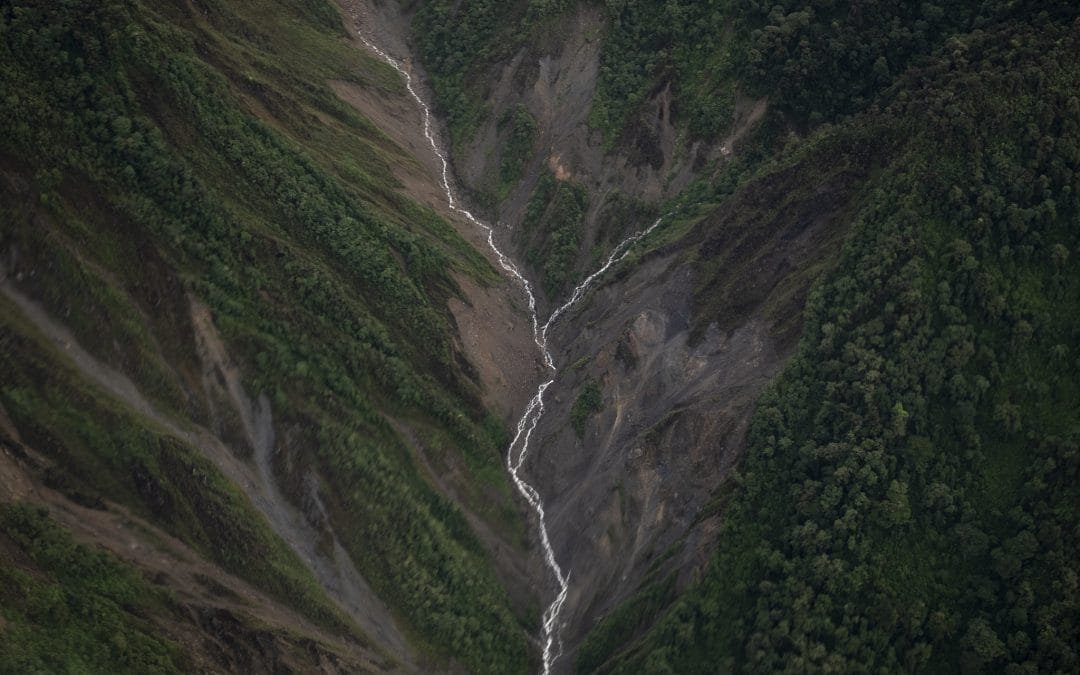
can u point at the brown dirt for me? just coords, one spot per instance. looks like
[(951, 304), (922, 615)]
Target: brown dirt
[(397, 116), (748, 112), (499, 343), (557, 168)]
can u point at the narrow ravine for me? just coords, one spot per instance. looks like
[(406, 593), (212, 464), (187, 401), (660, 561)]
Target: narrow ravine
[(519, 447)]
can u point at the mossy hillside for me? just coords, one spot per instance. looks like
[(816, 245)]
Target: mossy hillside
[(69, 607), (326, 284), (102, 450)]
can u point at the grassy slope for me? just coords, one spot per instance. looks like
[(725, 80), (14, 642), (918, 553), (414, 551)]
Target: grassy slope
[(136, 175), (70, 608), (103, 450)]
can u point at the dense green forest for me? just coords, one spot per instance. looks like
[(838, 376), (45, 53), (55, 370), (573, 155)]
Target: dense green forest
[(156, 152), (817, 61), (556, 211), (909, 496)]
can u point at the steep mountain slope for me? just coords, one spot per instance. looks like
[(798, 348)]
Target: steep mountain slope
[(222, 315), (908, 500), (659, 403)]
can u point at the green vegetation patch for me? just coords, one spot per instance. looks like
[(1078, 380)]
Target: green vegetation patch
[(690, 44), (518, 148), (612, 633), (590, 400), (453, 39), (70, 608), (554, 217)]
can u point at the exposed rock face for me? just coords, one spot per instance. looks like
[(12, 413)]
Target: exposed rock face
[(673, 422), (632, 496)]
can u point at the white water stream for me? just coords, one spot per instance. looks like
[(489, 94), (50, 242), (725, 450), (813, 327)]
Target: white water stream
[(535, 410)]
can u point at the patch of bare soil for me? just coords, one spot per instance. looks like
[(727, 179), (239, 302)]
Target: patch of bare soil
[(748, 112), (498, 340), (493, 324), (397, 115), (673, 423)]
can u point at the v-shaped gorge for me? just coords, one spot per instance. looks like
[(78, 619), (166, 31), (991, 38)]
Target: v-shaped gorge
[(536, 336), (340, 408), (647, 411)]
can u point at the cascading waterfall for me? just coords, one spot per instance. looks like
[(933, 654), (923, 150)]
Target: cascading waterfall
[(519, 447)]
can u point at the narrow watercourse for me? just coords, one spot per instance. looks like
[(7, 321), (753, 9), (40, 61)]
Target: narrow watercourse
[(519, 447)]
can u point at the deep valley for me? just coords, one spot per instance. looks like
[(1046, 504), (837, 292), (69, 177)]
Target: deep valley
[(539, 336)]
